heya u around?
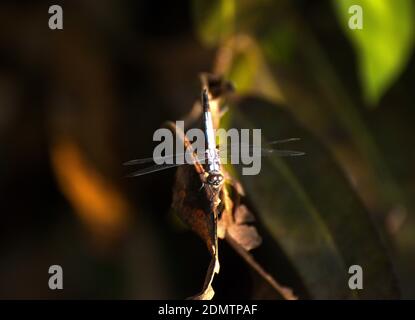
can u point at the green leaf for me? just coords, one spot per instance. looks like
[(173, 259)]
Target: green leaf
[(249, 72), (312, 212), (214, 20), (384, 45)]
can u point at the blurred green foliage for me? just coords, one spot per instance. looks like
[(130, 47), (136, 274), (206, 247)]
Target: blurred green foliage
[(217, 20), (384, 45)]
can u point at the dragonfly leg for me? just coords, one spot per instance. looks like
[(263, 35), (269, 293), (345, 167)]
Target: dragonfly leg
[(202, 186)]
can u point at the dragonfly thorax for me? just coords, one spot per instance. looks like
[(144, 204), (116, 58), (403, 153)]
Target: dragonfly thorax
[(212, 160)]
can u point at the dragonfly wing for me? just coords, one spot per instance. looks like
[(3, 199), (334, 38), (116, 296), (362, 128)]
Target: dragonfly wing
[(156, 159), (168, 157), (158, 167), (155, 168), (149, 160), (257, 151), (283, 153), (264, 151), (268, 151), (138, 161), (283, 141)]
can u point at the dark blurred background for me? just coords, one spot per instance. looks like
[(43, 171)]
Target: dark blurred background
[(76, 103)]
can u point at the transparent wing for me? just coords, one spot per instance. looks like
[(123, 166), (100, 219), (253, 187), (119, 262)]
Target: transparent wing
[(283, 141), (155, 168), (281, 153), (146, 160), (159, 167), (259, 152), (231, 148), (242, 147), (166, 158)]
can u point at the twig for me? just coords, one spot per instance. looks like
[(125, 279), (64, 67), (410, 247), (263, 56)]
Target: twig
[(285, 292)]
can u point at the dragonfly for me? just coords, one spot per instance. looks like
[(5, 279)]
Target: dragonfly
[(209, 209), (212, 158)]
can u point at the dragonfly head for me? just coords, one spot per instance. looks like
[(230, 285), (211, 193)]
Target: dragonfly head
[(215, 179)]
